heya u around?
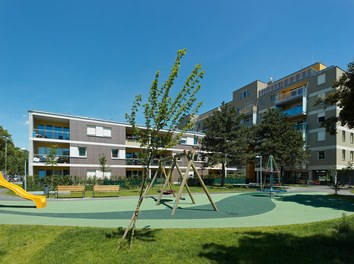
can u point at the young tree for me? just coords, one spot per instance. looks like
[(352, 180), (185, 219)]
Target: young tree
[(102, 160), (342, 96), (162, 113), (225, 140), (51, 160), (276, 136)]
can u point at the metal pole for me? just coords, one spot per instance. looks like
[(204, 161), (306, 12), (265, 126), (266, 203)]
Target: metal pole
[(260, 171), (25, 177), (5, 157)]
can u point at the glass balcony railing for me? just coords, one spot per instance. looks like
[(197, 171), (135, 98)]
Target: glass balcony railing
[(52, 134), (294, 111), (42, 158), (247, 110), (297, 93), (136, 161)]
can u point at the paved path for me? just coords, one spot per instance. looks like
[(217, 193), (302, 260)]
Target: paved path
[(235, 210)]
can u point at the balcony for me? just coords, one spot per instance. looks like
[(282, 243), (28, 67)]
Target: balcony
[(293, 95), (136, 161), (52, 134), (248, 110), (42, 158), (296, 111)]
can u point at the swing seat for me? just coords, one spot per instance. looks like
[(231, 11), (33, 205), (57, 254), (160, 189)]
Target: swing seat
[(167, 192)]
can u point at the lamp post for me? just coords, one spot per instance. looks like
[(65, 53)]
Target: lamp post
[(25, 161), (260, 170), (6, 139)]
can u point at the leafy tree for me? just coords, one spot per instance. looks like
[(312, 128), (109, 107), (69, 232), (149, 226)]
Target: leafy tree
[(102, 160), (276, 136), (52, 156), (342, 96), (13, 155), (52, 160), (162, 113), (225, 140)]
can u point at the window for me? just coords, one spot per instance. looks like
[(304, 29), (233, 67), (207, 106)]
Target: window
[(41, 174), (351, 156), (343, 136), (99, 131), (321, 79), (321, 117), (195, 140), (272, 98), (183, 140), (91, 130), (321, 154), (343, 154), (115, 153), (244, 94), (351, 138), (321, 135), (82, 151)]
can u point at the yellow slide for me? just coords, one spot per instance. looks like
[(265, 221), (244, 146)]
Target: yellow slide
[(40, 201)]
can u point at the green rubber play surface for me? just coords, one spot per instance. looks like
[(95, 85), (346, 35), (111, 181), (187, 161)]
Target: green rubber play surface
[(235, 210)]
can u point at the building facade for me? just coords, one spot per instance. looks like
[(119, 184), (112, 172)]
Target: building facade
[(295, 95), (80, 142)]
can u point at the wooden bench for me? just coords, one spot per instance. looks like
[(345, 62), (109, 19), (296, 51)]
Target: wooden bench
[(71, 188), (104, 188)]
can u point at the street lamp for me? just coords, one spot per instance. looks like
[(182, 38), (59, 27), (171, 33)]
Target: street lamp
[(260, 170), (6, 139), (25, 178)]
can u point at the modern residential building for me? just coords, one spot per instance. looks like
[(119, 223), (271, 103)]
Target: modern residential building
[(295, 95), (81, 141)]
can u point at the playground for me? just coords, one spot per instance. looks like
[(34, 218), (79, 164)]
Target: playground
[(235, 210)]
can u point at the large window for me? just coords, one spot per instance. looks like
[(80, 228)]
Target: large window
[(351, 138), (351, 156), (343, 154), (78, 152), (99, 131), (343, 136), (50, 131)]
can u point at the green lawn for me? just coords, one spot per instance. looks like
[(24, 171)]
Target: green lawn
[(322, 242)]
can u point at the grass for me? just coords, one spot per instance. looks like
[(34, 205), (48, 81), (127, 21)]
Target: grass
[(321, 242)]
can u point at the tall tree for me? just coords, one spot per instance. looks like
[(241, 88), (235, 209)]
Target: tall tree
[(225, 140), (342, 96), (277, 136), (10, 154), (162, 112)]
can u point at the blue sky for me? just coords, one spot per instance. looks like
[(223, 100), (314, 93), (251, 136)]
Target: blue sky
[(90, 58)]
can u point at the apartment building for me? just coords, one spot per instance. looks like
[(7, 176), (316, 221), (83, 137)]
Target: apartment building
[(295, 95), (81, 141)]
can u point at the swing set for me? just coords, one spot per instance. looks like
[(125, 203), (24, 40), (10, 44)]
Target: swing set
[(172, 163)]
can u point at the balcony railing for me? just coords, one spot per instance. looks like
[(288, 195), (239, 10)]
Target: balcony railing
[(42, 158), (248, 110), (292, 95), (299, 110), (52, 134), (136, 161)]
